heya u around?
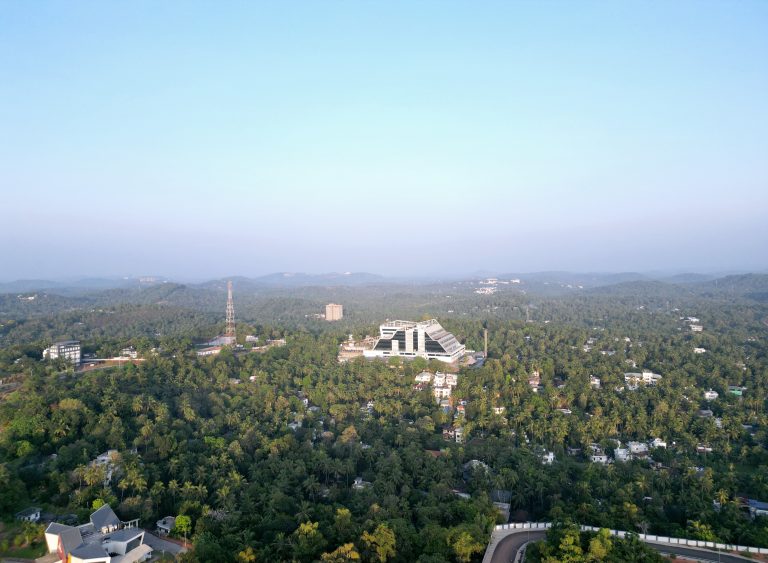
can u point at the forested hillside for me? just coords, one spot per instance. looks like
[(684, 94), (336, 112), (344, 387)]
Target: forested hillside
[(289, 455)]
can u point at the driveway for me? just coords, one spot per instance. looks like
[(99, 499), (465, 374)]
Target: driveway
[(160, 545)]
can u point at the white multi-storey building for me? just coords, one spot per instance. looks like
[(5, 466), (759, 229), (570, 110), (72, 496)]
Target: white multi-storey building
[(409, 339), (67, 349)]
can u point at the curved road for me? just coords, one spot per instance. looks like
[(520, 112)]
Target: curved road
[(507, 549)]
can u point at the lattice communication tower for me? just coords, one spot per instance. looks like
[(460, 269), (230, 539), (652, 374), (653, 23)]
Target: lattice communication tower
[(230, 330)]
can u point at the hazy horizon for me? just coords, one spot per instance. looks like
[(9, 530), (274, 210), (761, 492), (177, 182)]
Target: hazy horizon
[(404, 139)]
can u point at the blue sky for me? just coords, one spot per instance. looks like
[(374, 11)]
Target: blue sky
[(205, 139)]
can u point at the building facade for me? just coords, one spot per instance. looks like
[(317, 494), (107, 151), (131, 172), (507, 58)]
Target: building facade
[(409, 339), (333, 312), (67, 349)]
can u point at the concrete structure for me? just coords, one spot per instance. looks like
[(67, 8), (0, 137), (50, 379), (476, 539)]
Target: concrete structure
[(333, 312), (409, 339), (67, 349)]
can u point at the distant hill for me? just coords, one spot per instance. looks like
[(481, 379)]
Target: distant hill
[(576, 279), (688, 278), (291, 279), (69, 286), (751, 286)]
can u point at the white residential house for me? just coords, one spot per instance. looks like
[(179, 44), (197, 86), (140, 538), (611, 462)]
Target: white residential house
[(599, 458), (165, 525), (129, 352), (621, 454), (451, 379), (699, 350), (645, 377), (423, 377), (458, 434), (31, 514), (657, 443), (594, 382), (359, 484), (442, 392), (697, 328), (636, 448), (498, 410), (711, 395), (548, 458), (439, 379)]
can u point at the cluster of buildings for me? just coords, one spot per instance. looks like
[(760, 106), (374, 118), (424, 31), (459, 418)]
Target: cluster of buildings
[(71, 351), (105, 539), (442, 386), (694, 324), (633, 450)]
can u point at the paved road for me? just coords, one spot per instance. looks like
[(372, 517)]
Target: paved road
[(705, 554), (507, 549), (160, 545)]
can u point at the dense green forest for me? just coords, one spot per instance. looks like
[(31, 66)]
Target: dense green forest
[(289, 455)]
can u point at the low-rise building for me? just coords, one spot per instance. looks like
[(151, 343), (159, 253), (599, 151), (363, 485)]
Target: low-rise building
[(129, 352), (657, 443), (710, 395), (354, 348), (424, 377), (31, 514), (66, 349), (757, 508), (209, 351), (359, 484), (621, 454), (165, 525), (645, 377)]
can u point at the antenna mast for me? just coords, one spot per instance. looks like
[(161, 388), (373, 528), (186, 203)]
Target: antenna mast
[(230, 330)]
